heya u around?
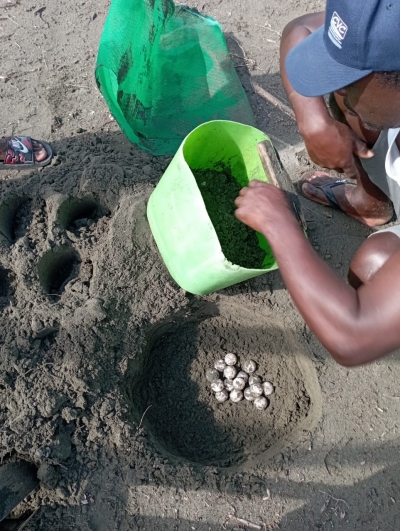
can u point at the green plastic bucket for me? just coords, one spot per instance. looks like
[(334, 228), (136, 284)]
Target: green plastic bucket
[(178, 218)]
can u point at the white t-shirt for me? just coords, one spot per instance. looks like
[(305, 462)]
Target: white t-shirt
[(392, 163), (387, 154), (389, 184)]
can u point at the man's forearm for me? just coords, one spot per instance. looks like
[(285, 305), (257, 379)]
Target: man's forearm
[(355, 326), (295, 32), (327, 303)]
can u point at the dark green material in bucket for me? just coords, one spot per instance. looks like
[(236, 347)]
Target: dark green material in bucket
[(239, 243)]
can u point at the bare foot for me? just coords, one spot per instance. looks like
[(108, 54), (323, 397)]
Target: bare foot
[(38, 150), (351, 199)]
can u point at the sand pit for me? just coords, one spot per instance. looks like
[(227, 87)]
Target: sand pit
[(186, 422), (93, 330)]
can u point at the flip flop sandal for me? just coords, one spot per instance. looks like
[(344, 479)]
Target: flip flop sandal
[(327, 189), (20, 154)]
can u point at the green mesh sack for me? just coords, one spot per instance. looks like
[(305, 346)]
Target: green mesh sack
[(163, 70)]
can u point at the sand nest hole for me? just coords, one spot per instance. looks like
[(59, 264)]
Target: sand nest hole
[(77, 212), (15, 215), (186, 422), (56, 268), (5, 286)]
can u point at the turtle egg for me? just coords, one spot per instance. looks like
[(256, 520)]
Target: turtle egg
[(212, 374), (239, 383), (249, 366), (254, 379), (248, 395), (242, 374), (236, 395), (220, 365), (230, 373), (231, 359), (268, 388), (229, 385), (222, 396), (261, 402), (256, 389), (217, 386)]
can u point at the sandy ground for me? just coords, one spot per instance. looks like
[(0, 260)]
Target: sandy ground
[(94, 330)]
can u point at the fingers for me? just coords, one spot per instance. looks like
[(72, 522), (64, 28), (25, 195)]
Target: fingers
[(237, 215), (362, 150), (256, 184), (251, 185), (350, 172), (238, 201), (354, 170)]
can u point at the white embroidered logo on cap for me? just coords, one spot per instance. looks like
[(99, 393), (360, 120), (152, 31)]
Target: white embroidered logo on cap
[(337, 30)]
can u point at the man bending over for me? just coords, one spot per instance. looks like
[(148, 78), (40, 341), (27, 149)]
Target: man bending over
[(350, 52)]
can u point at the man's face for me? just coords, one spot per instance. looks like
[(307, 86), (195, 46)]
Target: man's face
[(377, 105)]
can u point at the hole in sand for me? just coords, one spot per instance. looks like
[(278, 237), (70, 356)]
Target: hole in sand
[(187, 423), (17, 523), (5, 286), (56, 268), (15, 214), (18, 479), (77, 213)]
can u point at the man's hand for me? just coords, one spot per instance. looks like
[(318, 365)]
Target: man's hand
[(263, 206), (334, 145), (330, 144)]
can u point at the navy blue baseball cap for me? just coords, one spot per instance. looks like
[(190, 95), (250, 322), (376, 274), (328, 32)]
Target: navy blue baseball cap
[(358, 38)]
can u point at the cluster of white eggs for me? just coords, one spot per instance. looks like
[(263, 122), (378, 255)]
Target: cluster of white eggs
[(231, 382)]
